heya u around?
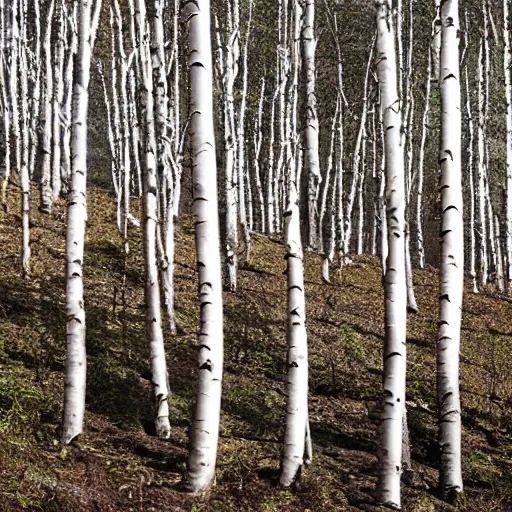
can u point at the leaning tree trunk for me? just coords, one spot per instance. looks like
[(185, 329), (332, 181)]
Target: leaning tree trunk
[(394, 279), (451, 272), (76, 363), (204, 432)]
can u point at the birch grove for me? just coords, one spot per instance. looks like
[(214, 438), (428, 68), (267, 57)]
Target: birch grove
[(258, 127)]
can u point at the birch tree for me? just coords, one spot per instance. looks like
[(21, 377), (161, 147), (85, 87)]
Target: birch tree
[(311, 124), (395, 302), (154, 331), (76, 363), (227, 63), (46, 131), (204, 431), (25, 145), (508, 99), (451, 272), (297, 358)]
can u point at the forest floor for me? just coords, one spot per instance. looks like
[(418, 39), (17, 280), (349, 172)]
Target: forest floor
[(118, 464)]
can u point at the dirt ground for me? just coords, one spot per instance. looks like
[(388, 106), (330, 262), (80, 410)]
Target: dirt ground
[(118, 464)]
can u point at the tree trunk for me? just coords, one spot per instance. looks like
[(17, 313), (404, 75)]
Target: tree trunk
[(154, 331), (204, 432), (451, 273), (76, 363), (394, 279)]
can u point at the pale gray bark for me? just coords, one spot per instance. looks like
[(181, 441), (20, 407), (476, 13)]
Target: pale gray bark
[(204, 432), (451, 273)]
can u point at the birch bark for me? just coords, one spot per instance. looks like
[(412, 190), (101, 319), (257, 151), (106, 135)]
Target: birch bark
[(394, 279), (76, 362), (154, 331), (451, 273), (46, 134), (204, 432)]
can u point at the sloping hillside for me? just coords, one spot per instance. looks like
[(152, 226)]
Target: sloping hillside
[(118, 465)]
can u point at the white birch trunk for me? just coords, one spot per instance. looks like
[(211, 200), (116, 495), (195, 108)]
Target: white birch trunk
[(311, 124), (25, 146), (258, 141), (482, 223), (451, 273), (36, 86), (76, 362), (154, 331), (356, 160), (394, 279), (470, 174), (6, 114), (243, 174), (421, 164), (327, 180), (46, 135), (68, 94), (227, 67), (297, 359), (499, 259), (436, 41), (508, 188), (204, 432), (58, 95), (13, 80), (360, 198)]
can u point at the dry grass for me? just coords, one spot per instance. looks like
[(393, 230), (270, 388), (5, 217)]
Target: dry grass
[(119, 466)]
